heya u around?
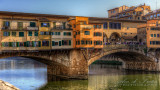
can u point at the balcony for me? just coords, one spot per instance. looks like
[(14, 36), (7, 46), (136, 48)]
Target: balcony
[(32, 28)]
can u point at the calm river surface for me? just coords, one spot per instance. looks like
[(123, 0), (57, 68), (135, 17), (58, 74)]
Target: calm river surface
[(28, 74)]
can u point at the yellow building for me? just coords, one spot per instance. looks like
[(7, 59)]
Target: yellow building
[(152, 15), (125, 12), (150, 33), (28, 31)]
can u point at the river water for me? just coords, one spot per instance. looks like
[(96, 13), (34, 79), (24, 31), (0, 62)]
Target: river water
[(28, 74)]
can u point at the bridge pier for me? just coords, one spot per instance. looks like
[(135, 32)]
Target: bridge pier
[(78, 65)]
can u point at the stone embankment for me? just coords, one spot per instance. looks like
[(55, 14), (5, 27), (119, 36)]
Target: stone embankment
[(7, 86)]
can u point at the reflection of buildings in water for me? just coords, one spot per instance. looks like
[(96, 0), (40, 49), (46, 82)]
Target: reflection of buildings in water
[(104, 77), (103, 82)]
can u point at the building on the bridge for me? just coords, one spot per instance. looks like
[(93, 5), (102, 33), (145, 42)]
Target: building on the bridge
[(125, 12), (152, 15), (117, 30), (150, 33), (28, 31)]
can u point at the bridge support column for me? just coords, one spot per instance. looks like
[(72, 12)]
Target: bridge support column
[(78, 68)]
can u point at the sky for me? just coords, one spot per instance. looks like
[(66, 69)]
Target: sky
[(89, 8)]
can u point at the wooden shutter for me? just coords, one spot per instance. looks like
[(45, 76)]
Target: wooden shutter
[(39, 43), (69, 42), (53, 44), (59, 43)]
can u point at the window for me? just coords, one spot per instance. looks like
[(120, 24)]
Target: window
[(20, 25), (138, 18), (97, 34), (98, 42), (155, 15), (29, 33), (6, 24), (66, 42), (57, 33), (87, 32), (45, 43), (6, 33), (21, 34), (5, 44), (13, 33), (14, 44), (113, 25), (151, 35), (21, 44), (157, 35), (82, 42), (36, 33), (44, 33), (67, 33), (55, 43), (45, 25), (32, 24), (127, 28), (154, 35), (105, 25)]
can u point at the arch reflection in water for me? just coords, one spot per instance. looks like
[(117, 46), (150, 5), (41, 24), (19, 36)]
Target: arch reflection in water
[(114, 78), (23, 73)]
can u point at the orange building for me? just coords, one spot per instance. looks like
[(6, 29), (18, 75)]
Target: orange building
[(86, 35), (150, 33)]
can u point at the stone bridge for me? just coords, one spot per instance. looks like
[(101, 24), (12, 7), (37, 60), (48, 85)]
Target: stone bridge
[(73, 63)]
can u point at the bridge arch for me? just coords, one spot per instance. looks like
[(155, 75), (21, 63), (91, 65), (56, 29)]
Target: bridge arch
[(133, 60)]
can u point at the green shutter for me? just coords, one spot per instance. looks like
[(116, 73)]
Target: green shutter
[(53, 44), (48, 24), (10, 44), (39, 43), (8, 33), (24, 44), (17, 44), (2, 44), (91, 42), (69, 42), (59, 43), (3, 33), (33, 44), (27, 44), (62, 42)]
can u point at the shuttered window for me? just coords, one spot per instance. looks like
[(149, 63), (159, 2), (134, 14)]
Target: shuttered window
[(21, 34), (20, 25), (29, 33), (36, 33)]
